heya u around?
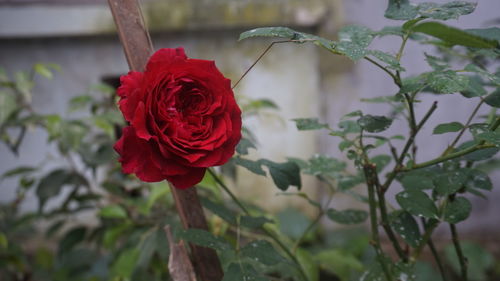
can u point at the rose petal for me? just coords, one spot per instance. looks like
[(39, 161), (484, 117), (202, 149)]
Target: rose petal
[(139, 163), (193, 177), (130, 93)]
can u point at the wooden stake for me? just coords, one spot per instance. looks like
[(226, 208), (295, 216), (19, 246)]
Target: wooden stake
[(138, 47)]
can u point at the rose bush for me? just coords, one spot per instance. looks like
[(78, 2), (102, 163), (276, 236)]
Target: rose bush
[(182, 119)]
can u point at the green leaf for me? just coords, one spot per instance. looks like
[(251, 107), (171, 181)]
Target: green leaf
[(204, 238), (244, 145), (4, 242), (478, 180), (492, 33), (340, 263), (263, 252), (450, 182), (418, 179), (281, 32), (54, 228), (447, 128), (447, 82), (417, 203), (374, 124), (492, 137), (242, 272), (390, 30), (113, 212), (8, 106), (381, 161), (374, 271), (454, 36), (302, 195), (287, 33), (306, 124), (148, 246), (406, 226), (112, 234), (51, 184), (347, 182), (252, 166), (254, 222), (349, 216), (307, 263), (43, 70), (158, 190), (401, 10), (292, 222), (389, 59), (54, 125), (324, 165), (479, 260), (71, 239), (219, 210), (457, 210), (413, 84), (284, 175), (478, 155), (349, 126), (21, 170), (103, 88), (475, 88), (44, 258), (424, 271), (103, 124), (451, 10), (436, 63), (492, 77), (493, 99), (125, 265), (79, 102), (404, 271), (353, 41)]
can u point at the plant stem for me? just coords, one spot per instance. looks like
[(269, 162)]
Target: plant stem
[(309, 228), (495, 125), (393, 76), (318, 217), (368, 170), (474, 112), (411, 109), (266, 230), (462, 259), (448, 157), (409, 142), (439, 263), (429, 229), (383, 214), (257, 60)]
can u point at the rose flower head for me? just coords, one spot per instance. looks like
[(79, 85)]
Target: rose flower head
[(182, 117)]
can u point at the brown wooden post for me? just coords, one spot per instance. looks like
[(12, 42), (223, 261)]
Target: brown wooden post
[(138, 47)]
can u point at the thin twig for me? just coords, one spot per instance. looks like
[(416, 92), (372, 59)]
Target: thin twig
[(429, 229), (461, 258), (448, 157), (435, 254), (266, 230), (409, 142), (439, 263), (258, 59), (368, 170), (393, 76), (466, 126)]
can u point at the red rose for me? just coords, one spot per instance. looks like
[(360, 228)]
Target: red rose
[(183, 119)]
